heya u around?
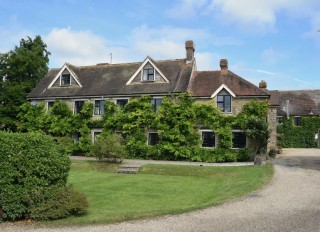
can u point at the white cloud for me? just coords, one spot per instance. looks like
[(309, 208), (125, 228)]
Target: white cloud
[(86, 48), (249, 14), (76, 47)]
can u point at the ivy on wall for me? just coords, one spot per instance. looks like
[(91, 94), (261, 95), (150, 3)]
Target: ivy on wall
[(177, 121), (302, 136)]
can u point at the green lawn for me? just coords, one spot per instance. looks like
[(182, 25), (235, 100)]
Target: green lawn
[(158, 189)]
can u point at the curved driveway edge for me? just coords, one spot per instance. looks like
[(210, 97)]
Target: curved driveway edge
[(291, 202)]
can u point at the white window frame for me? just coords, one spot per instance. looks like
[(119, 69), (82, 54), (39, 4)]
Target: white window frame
[(61, 75), (148, 138), (116, 99), (245, 137), (47, 105), (94, 106), (215, 138), (142, 74), (93, 131), (155, 109), (74, 104)]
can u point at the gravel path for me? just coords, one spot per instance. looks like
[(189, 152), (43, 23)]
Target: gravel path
[(291, 202)]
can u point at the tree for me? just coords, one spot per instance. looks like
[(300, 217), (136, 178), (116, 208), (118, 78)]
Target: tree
[(20, 71)]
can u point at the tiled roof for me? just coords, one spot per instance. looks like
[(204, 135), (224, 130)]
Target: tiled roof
[(301, 102), (111, 79), (205, 83)]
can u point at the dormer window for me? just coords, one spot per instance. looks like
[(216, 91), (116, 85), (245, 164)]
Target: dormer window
[(65, 79), (148, 74), (224, 101)]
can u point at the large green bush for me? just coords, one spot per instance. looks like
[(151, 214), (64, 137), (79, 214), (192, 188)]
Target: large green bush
[(32, 165), (302, 136)]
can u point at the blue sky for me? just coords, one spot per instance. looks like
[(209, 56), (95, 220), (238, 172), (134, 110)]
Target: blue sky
[(272, 40)]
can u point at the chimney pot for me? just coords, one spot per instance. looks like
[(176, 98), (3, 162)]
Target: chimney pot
[(224, 64), (190, 48), (262, 84)]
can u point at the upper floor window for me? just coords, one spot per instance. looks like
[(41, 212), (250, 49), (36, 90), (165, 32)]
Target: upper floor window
[(121, 102), (224, 101), (208, 139), (297, 121), (279, 119), (156, 102), (99, 107), (78, 105), (148, 74), (239, 139), (65, 79), (50, 104), (153, 138)]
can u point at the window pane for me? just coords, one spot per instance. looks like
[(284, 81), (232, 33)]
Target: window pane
[(297, 121), (148, 74), (156, 102), (153, 138), (238, 140), (208, 139), (227, 103), (122, 102), (78, 106), (65, 79)]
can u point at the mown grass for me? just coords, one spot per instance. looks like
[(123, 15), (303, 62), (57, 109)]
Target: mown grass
[(158, 189)]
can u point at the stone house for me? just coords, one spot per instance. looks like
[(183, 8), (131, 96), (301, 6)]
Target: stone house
[(157, 78)]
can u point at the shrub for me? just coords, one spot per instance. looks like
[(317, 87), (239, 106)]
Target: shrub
[(243, 155), (59, 203), (30, 163), (217, 155), (108, 146)]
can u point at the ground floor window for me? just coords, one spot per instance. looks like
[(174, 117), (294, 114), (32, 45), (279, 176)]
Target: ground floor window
[(153, 138), (76, 136), (239, 139), (208, 139)]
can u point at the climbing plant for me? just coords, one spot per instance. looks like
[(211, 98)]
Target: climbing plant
[(302, 136)]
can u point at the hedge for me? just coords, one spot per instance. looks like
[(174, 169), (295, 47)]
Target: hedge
[(31, 165)]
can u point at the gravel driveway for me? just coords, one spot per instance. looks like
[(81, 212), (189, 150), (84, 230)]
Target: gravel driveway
[(291, 202)]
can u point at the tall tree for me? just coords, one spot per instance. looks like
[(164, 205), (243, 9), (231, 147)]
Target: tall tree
[(20, 71)]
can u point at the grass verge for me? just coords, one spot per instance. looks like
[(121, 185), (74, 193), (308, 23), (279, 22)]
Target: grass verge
[(158, 189)]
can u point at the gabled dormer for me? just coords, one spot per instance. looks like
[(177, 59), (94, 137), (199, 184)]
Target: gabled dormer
[(65, 78), (148, 72), (224, 97)]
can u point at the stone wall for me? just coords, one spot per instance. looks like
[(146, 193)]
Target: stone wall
[(272, 122)]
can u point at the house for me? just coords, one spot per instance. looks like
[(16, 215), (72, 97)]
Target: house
[(157, 78), (297, 103)]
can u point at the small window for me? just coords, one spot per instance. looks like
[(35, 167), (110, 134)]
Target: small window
[(279, 119), (208, 139), (148, 74), (122, 137), (239, 139), (76, 137), (121, 102), (96, 136), (156, 102), (297, 121), (99, 107), (78, 105), (153, 138), (50, 105), (224, 103), (65, 79)]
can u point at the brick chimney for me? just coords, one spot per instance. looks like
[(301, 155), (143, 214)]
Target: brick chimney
[(263, 84), (224, 67), (224, 64), (190, 48)]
